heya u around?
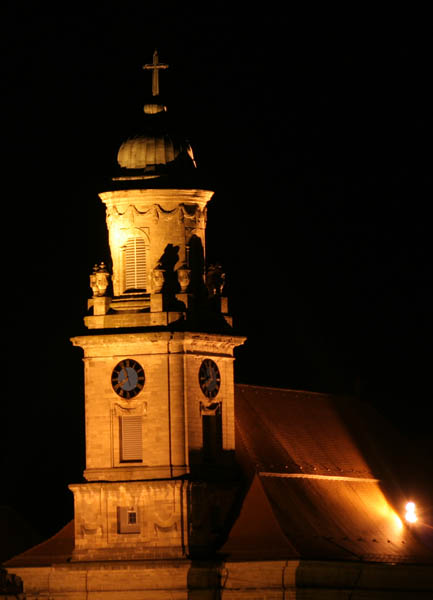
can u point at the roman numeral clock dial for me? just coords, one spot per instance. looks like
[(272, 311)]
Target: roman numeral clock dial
[(209, 378), (128, 378)]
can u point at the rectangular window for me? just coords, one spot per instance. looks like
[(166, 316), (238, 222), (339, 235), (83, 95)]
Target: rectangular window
[(212, 436), (131, 439), (132, 517)]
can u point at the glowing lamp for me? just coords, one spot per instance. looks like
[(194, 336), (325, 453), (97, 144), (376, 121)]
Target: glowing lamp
[(410, 515)]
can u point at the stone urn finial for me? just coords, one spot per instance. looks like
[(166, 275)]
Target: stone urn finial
[(215, 280), (157, 280), (184, 277), (102, 279), (99, 279), (93, 284)]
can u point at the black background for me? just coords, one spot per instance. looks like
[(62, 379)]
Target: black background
[(315, 132)]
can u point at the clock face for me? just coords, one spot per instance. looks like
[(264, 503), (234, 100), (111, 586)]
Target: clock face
[(127, 378), (209, 378)]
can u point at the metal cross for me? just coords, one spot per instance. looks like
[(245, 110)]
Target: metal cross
[(155, 67)]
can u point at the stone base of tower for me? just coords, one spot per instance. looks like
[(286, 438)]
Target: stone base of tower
[(143, 520), (130, 520)]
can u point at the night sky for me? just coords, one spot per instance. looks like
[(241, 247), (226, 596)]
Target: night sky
[(315, 131)]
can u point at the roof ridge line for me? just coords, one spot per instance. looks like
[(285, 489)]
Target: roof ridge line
[(280, 389), (323, 477)]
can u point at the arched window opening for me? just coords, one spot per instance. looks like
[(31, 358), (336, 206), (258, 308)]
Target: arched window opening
[(135, 264)]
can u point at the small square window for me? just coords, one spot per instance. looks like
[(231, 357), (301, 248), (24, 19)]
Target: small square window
[(132, 517)]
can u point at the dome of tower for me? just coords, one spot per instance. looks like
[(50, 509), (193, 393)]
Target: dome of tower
[(157, 149)]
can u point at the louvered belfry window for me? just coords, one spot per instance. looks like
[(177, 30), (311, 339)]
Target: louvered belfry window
[(131, 444), (135, 264)]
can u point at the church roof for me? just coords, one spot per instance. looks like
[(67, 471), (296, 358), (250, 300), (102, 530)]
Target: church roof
[(15, 533), (298, 432), (320, 481), (319, 485), (301, 518), (321, 434), (57, 549)]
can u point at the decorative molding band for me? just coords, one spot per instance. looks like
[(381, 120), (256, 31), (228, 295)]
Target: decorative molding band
[(210, 409), (137, 409)]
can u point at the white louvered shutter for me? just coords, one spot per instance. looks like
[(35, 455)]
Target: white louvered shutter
[(135, 264), (131, 444)]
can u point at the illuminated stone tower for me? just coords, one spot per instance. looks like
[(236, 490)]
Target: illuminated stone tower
[(158, 361)]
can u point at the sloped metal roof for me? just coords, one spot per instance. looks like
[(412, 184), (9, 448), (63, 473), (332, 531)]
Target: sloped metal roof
[(57, 549), (301, 432), (318, 482), (321, 519)]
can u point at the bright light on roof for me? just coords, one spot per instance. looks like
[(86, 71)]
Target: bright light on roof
[(398, 521), (410, 515)]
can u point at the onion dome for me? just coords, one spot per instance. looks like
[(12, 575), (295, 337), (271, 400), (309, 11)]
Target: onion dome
[(158, 150)]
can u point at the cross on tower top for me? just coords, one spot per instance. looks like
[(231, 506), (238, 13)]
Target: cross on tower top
[(155, 66)]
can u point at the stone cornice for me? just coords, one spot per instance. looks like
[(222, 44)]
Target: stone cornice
[(156, 196), (160, 341)]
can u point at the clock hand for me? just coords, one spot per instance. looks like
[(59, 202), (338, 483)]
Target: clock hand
[(121, 382)]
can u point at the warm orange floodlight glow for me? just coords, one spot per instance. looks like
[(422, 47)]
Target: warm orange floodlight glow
[(410, 515), (398, 521)]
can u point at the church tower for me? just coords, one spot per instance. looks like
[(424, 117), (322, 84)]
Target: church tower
[(158, 361)]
